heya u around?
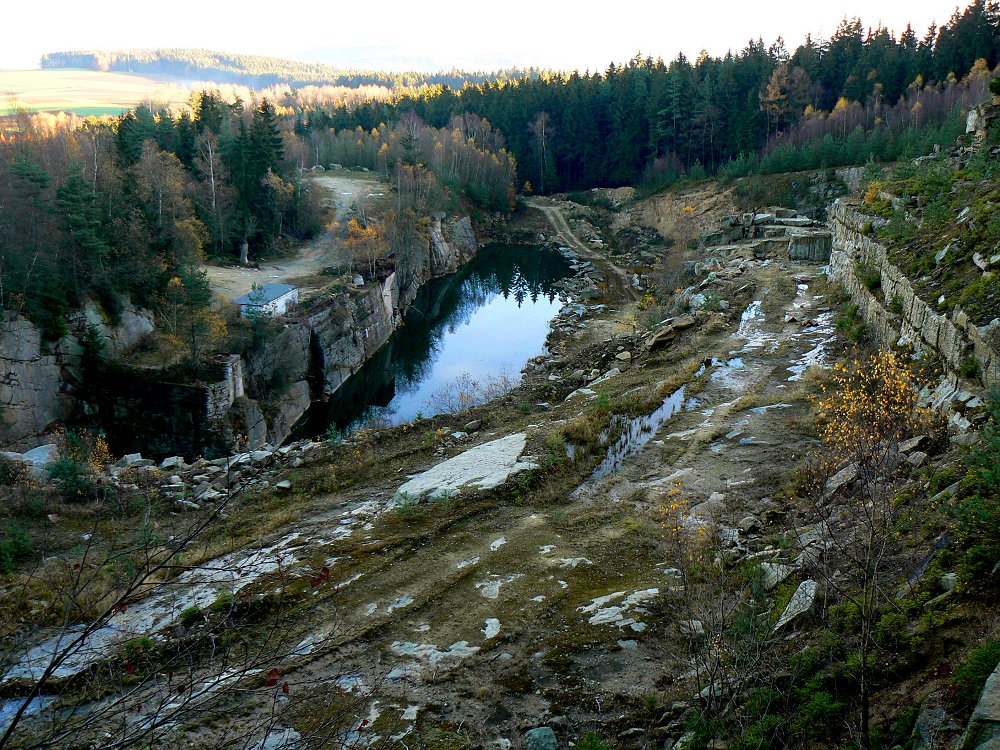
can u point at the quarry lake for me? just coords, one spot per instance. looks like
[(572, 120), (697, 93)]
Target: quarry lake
[(463, 333)]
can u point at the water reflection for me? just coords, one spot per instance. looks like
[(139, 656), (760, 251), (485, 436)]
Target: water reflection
[(483, 322)]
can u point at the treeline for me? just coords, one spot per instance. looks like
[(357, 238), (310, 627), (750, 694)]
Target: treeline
[(573, 131), (467, 157), (259, 71), (129, 208)]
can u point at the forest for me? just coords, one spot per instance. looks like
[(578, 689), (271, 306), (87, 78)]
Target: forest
[(129, 207), (259, 71), (646, 121)]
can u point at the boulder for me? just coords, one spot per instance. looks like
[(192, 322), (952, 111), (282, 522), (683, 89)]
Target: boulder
[(933, 723), (624, 356), (541, 738), (661, 338), (801, 603), (483, 467), (841, 479), (775, 573), (917, 459)]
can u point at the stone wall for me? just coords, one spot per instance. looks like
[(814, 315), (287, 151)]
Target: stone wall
[(951, 337)]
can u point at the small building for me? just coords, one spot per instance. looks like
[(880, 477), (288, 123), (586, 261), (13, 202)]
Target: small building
[(270, 299)]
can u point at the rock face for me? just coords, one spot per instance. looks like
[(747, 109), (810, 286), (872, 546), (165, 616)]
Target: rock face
[(952, 336), (983, 730), (309, 358), (39, 380)]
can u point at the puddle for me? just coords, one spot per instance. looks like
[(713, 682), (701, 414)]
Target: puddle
[(399, 603), (637, 432), (490, 588), (615, 614), (431, 654), (497, 544), (492, 629), (750, 327)]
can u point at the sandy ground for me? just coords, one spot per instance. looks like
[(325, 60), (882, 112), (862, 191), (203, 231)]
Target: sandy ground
[(619, 286), (344, 190)]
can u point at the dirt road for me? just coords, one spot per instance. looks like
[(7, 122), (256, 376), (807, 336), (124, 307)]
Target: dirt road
[(343, 191), (619, 285)]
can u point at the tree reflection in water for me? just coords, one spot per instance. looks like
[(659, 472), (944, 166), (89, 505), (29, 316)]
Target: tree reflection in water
[(476, 325)]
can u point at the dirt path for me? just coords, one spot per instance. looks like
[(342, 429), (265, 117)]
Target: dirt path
[(342, 192), (619, 283)]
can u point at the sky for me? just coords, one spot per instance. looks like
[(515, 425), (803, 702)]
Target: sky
[(435, 34)]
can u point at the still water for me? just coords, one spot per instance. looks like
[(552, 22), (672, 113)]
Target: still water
[(463, 331)]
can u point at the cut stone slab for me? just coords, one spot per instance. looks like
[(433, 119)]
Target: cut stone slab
[(483, 467), (801, 602)]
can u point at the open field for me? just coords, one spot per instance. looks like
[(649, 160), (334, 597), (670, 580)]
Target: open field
[(84, 92)]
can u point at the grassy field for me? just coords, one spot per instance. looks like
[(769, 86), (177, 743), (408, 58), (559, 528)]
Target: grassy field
[(84, 92)]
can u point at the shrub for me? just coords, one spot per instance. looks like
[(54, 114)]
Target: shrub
[(73, 478), (995, 86), (593, 741), (191, 616), (868, 275), (968, 680), (15, 545), (969, 367), (818, 713)]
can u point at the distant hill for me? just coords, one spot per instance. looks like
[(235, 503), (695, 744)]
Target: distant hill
[(258, 71)]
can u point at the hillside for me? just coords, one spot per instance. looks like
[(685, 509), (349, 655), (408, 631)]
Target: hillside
[(256, 71)]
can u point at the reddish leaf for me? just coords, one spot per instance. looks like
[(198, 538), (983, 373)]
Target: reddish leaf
[(284, 688), (181, 688), (325, 573), (129, 668), (272, 678), (364, 723), (138, 706), (170, 676), (314, 582)]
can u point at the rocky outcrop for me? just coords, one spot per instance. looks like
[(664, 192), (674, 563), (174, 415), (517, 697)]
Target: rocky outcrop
[(259, 398), (983, 730), (40, 380), (951, 337), (773, 232)]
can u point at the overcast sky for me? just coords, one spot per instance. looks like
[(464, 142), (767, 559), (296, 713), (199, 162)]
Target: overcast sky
[(432, 34)]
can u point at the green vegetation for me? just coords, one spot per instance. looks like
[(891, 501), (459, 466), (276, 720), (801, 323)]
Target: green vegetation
[(15, 546), (855, 97), (943, 229), (970, 676)]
